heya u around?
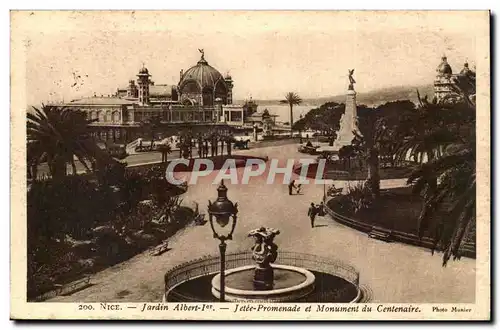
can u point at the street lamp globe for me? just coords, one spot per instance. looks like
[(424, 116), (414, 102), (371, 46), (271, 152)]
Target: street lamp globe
[(222, 210)]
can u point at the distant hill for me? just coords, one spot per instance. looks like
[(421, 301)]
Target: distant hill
[(371, 98)]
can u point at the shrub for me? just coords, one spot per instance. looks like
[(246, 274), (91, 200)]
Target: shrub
[(74, 207), (359, 197)]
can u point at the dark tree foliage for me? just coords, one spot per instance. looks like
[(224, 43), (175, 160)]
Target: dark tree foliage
[(326, 118)]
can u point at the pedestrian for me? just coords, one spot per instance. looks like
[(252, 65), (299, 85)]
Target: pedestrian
[(291, 185), (299, 187), (200, 147), (205, 150), (321, 209), (312, 213)]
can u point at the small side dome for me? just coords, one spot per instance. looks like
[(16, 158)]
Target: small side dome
[(143, 70), (465, 69)]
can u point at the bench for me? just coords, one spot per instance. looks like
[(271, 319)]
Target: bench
[(334, 192), (159, 250), (75, 286)]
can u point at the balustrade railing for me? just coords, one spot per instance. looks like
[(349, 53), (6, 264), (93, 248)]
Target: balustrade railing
[(211, 264)]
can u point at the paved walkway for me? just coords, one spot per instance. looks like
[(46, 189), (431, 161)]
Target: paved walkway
[(394, 272)]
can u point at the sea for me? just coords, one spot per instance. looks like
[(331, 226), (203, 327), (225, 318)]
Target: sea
[(283, 111)]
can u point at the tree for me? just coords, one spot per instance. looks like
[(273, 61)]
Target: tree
[(152, 125), (448, 186), (291, 99), (422, 134), (346, 153), (376, 133), (299, 125), (326, 118), (56, 135), (366, 141), (447, 181)]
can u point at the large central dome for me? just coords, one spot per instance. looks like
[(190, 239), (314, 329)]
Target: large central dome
[(202, 84)]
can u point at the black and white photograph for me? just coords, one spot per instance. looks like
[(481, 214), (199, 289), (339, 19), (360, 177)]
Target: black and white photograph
[(250, 165)]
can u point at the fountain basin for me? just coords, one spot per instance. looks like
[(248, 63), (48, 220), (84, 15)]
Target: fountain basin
[(335, 280), (290, 284)]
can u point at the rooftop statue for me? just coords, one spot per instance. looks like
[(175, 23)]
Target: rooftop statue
[(202, 51), (351, 79)]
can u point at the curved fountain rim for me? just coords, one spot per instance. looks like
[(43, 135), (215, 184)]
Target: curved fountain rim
[(182, 272), (305, 256), (307, 282)]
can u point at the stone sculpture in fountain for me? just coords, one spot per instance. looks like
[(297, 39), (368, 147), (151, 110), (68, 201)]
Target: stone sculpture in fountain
[(264, 252)]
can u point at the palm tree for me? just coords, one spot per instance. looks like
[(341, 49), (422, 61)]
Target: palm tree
[(422, 133), (448, 186), (56, 135), (291, 99), (367, 142), (447, 181)]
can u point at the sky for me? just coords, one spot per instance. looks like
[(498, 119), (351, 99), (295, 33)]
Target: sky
[(267, 53)]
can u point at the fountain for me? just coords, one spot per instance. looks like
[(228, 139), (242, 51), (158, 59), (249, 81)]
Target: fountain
[(264, 275), (265, 281), (259, 274)]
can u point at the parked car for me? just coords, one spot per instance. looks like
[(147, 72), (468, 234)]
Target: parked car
[(308, 148), (241, 144)]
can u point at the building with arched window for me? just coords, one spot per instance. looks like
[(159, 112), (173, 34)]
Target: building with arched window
[(201, 100)]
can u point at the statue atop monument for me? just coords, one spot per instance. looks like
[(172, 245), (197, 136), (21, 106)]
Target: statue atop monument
[(349, 120), (202, 51), (351, 79)]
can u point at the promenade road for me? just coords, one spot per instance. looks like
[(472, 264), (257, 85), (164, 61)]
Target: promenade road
[(394, 272)]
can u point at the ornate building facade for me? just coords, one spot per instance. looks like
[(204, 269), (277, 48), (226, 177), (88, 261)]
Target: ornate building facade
[(446, 82), (201, 100)]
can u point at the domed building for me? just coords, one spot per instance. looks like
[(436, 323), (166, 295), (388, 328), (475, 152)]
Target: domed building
[(445, 84), (202, 85), (444, 69), (201, 101)]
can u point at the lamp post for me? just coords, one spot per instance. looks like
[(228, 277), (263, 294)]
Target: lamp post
[(223, 211)]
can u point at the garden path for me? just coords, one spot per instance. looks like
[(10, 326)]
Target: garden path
[(394, 272)]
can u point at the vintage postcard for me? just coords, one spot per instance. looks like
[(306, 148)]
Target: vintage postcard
[(250, 165)]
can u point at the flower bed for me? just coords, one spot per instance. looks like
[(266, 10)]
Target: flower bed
[(335, 171), (396, 213)]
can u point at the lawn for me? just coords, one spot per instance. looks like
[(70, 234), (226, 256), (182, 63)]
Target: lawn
[(397, 209), (334, 171)]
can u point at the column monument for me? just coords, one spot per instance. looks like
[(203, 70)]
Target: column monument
[(349, 120)]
